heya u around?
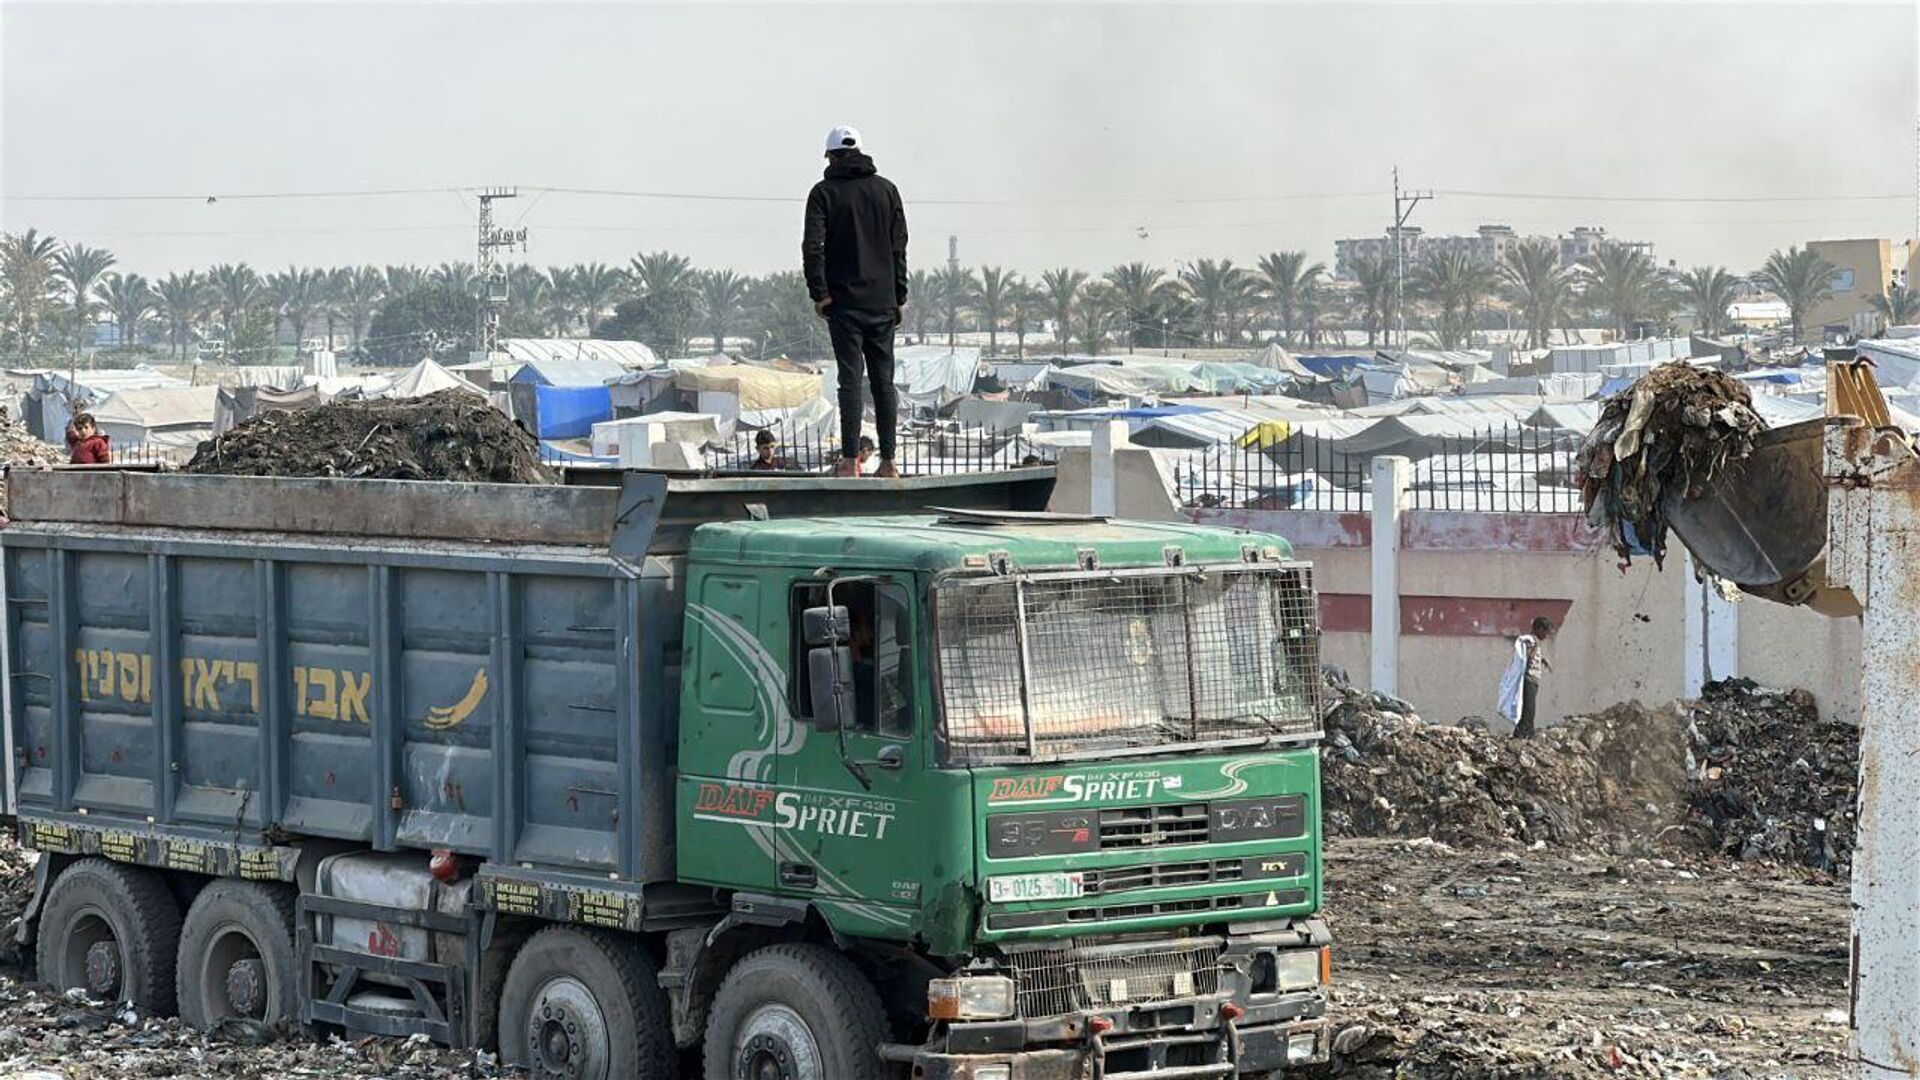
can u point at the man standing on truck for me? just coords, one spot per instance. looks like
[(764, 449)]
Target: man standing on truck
[(854, 253)]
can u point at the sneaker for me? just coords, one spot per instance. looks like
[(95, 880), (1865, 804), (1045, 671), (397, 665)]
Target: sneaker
[(886, 471)]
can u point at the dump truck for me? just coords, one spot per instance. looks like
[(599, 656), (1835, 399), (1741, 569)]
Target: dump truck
[(1825, 513), (642, 776)]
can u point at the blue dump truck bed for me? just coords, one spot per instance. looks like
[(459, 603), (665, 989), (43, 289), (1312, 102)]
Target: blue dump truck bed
[(203, 665)]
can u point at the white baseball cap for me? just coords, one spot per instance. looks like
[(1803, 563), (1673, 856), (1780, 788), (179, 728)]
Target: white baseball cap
[(843, 137)]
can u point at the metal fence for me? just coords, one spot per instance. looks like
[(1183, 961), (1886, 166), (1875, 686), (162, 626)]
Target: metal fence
[(1509, 468)]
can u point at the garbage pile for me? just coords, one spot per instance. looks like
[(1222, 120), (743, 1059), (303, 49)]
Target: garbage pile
[(1774, 781), (1671, 433), (1745, 771), (1614, 780), (451, 435)]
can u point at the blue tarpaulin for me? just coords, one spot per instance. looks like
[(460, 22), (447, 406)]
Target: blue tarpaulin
[(569, 412), (1331, 367)]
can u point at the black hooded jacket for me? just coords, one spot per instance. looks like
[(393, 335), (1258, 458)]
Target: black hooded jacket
[(855, 246)]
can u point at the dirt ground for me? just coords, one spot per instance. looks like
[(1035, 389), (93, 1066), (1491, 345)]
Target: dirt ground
[(1521, 963)]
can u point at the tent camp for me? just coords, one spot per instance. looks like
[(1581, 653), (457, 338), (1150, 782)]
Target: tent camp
[(427, 377), (179, 416), (621, 354), (756, 387), (934, 376)]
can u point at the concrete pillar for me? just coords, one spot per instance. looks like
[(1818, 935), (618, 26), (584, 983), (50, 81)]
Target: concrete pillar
[(1104, 471), (1712, 635), (1390, 478)]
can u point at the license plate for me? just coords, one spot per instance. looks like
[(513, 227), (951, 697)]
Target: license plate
[(1016, 887)]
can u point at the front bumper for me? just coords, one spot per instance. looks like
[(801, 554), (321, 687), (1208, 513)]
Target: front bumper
[(1234, 1050)]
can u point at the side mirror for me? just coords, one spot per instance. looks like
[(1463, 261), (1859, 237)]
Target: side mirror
[(826, 625), (830, 679)]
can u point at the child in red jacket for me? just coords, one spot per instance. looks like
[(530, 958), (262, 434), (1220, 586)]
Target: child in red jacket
[(85, 444)]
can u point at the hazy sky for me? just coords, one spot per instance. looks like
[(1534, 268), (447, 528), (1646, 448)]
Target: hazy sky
[(1057, 133)]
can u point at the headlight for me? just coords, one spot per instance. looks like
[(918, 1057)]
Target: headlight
[(1300, 969), (971, 997), (993, 1072)]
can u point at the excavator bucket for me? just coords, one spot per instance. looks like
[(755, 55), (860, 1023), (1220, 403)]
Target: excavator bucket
[(1763, 526), (1763, 523)]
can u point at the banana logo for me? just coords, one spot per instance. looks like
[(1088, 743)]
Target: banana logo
[(442, 717)]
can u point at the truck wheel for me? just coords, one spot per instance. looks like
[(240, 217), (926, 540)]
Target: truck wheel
[(110, 930), (795, 1012), (236, 955), (585, 1005)]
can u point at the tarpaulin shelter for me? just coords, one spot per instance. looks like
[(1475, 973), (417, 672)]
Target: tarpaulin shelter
[(177, 416), (623, 354), (934, 376), (756, 387), (427, 377), (242, 403), (44, 408), (1276, 359), (570, 371), (562, 412)]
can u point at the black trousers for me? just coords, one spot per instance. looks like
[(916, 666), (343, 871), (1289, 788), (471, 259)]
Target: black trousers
[(864, 339), (1529, 706)]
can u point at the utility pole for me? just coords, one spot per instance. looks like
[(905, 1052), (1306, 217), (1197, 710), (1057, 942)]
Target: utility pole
[(493, 275), (1400, 216)]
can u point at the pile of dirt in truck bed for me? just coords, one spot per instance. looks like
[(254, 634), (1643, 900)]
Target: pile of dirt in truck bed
[(445, 436), (1615, 779), (1744, 771), (1675, 430)]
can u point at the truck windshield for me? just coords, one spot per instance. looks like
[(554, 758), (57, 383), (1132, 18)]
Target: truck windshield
[(1097, 663)]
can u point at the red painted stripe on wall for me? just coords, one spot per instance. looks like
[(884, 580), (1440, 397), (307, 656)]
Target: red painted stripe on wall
[(1443, 616)]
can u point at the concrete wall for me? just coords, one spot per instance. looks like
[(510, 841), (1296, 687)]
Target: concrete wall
[(1863, 268), (1469, 582)]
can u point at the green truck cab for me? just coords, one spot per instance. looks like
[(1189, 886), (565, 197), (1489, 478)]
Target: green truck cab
[(1060, 770), (752, 778)]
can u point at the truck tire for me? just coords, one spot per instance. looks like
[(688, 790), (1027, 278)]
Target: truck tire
[(236, 957), (110, 930), (585, 1005), (795, 1012)]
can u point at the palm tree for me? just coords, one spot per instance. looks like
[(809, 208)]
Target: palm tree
[(1709, 291), (920, 302), (460, 275), (598, 285), (295, 294), (1455, 282), (1373, 277), (27, 282), (1536, 283), (1288, 275), (236, 290), (1898, 306), (1099, 305), (990, 301), (723, 296), (1142, 293), (953, 289), (401, 280), (1220, 291), (1801, 279), (79, 268), (359, 293), (1624, 282), (181, 300), (130, 300), (1024, 303), (667, 280), (1061, 290)]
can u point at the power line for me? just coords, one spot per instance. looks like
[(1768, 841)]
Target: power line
[(214, 197), (1538, 196)]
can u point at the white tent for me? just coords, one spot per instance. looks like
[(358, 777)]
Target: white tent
[(934, 376), (427, 377)]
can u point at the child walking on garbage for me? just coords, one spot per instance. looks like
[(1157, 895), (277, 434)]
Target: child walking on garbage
[(1520, 686)]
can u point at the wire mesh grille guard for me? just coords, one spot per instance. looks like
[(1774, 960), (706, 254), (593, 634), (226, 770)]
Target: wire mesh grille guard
[(1110, 661), (1057, 981)]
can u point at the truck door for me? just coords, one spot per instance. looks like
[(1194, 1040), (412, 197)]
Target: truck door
[(859, 849)]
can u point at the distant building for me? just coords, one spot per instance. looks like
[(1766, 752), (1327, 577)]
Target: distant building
[(1862, 270), (1488, 244)]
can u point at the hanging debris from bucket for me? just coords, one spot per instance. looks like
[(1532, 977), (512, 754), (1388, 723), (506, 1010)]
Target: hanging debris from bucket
[(1669, 435)]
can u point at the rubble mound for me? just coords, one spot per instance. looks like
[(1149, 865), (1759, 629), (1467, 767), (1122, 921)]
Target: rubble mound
[(1615, 779), (1671, 433), (19, 449), (1744, 771), (1774, 780), (450, 435)]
